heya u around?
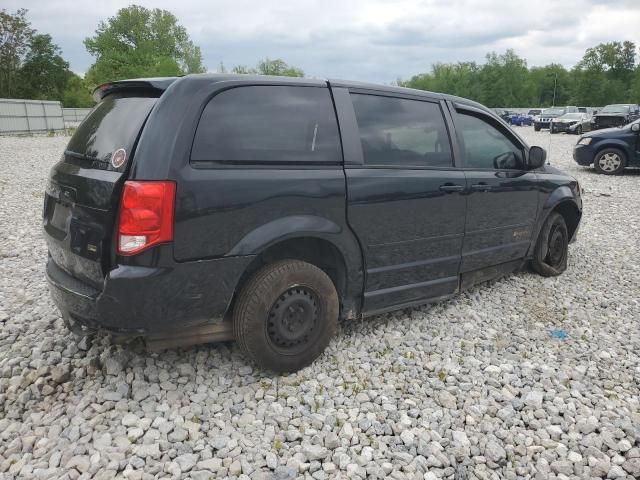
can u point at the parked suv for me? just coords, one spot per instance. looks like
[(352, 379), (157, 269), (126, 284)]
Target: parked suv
[(615, 116), (610, 150), (262, 209), (548, 114)]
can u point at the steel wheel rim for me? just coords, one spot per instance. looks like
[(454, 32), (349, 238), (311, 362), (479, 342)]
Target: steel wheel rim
[(556, 247), (293, 320), (609, 162)]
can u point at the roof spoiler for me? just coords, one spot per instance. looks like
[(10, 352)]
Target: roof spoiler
[(157, 85)]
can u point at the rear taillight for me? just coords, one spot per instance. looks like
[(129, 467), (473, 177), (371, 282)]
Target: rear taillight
[(146, 215)]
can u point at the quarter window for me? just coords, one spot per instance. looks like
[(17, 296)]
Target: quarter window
[(487, 147), (400, 132), (272, 124)]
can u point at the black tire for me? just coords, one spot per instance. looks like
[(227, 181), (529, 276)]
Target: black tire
[(610, 161), (536, 128), (285, 315), (552, 248), (579, 130)]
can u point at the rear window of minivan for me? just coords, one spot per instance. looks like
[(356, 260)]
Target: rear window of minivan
[(268, 124), (113, 124)]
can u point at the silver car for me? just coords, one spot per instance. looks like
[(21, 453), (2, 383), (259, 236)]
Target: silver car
[(571, 123)]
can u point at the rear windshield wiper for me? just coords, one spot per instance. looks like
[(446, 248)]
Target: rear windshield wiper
[(81, 156)]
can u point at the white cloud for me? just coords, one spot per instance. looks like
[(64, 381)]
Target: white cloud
[(375, 40)]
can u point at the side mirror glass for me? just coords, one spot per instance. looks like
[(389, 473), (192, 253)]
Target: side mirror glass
[(507, 160), (537, 157), (635, 127)]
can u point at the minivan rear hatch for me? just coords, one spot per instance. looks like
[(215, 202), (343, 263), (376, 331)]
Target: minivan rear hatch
[(82, 196)]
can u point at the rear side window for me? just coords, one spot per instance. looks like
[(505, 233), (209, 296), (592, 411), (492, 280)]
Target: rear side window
[(113, 124), (397, 132), (268, 124)]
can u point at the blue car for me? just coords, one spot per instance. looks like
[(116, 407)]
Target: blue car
[(610, 150), (520, 120)]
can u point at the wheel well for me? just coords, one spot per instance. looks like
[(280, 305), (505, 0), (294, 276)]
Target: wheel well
[(614, 146), (571, 216), (321, 253)]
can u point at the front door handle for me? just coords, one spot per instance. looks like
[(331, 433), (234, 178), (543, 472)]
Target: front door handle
[(450, 187), (481, 187)]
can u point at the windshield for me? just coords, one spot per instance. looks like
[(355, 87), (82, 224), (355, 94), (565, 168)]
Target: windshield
[(615, 109), (114, 123), (553, 111), (572, 116)]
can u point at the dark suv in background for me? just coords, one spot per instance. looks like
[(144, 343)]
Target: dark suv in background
[(263, 209), (615, 116), (547, 116)]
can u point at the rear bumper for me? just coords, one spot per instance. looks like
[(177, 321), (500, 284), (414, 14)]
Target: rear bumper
[(139, 300)]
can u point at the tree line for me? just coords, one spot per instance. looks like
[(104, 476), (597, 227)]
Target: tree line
[(607, 73), (140, 42)]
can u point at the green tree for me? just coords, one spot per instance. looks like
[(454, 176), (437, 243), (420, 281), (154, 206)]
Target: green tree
[(635, 86), (606, 74), (43, 75), (544, 81), (76, 93), (269, 67), (504, 80), (243, 70), (278, 67), (15, 36), (453, 78), (139, 42)]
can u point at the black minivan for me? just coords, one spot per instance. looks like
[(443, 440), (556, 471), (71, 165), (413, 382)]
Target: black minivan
[(263, 209)]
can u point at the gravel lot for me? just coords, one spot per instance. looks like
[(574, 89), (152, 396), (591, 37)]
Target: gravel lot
[(482, 386)]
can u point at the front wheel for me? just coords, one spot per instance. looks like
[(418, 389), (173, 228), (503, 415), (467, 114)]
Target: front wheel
[(285, 315), (552, 248), (610, 161), (579, 130), (536, 128)]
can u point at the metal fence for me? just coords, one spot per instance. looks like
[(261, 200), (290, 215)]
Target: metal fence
[(30, 116), (73, 116)]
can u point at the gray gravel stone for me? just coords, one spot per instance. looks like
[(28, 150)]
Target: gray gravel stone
[(632, 467), (534, 399)]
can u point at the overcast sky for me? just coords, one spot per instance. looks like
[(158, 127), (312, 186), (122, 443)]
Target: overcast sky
[(373, 40)]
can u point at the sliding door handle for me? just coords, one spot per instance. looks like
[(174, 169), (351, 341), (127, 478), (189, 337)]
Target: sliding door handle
[(481, 187), (450, 187)]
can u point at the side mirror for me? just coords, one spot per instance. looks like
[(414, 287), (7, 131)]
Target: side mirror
[(537, 157), (635, 127)]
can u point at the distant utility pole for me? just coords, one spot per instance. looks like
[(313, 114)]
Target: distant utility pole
[(555, 85)]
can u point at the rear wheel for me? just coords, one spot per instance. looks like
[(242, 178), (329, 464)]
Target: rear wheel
[(286, 315), (552, 248), (610, 161)]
